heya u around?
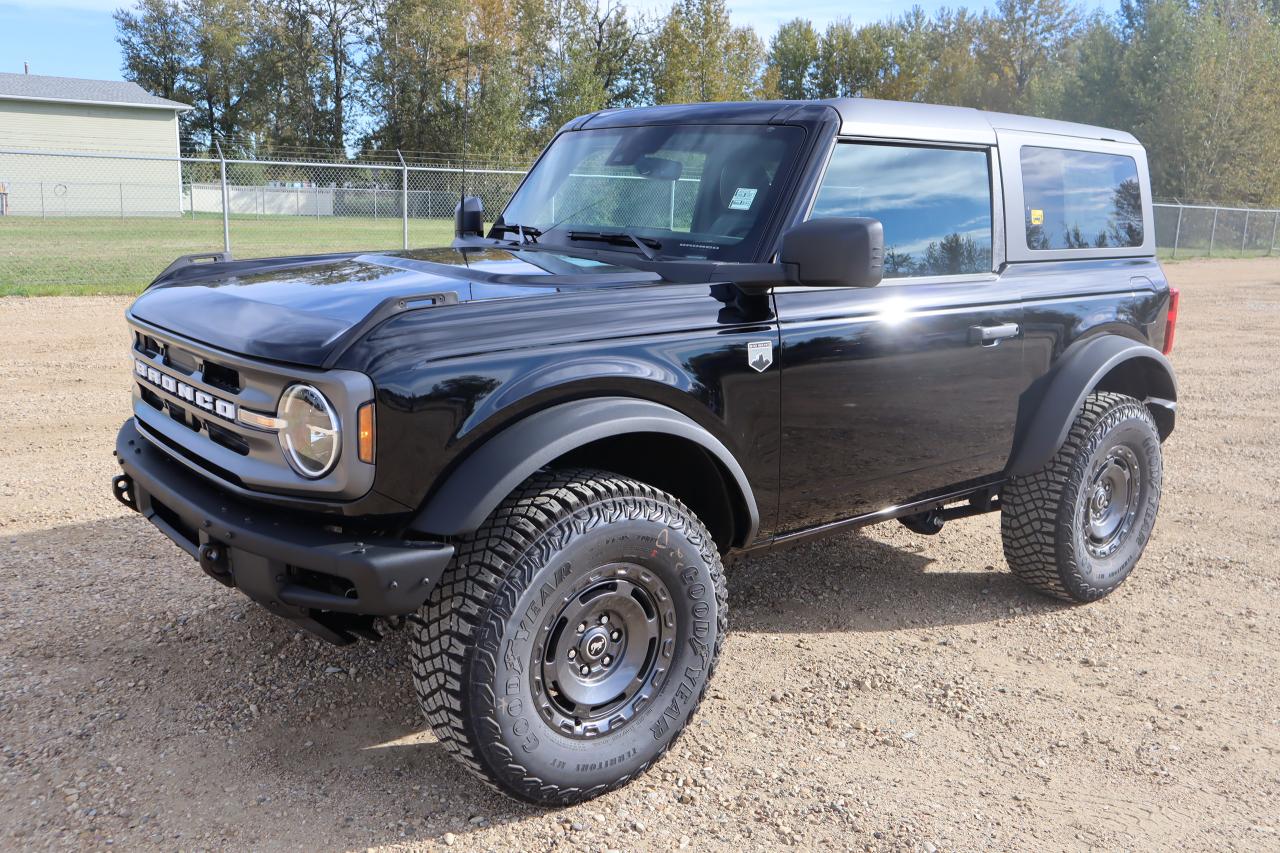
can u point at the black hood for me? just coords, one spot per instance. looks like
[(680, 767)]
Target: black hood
[(306, 310)]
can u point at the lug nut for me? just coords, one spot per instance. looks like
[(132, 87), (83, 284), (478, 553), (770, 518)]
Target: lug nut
[(573, 653), (582, 626), (584, 669), (606, 660), (616, 636), (604, 618)]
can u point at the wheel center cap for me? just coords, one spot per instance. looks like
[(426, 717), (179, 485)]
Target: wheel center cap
[(594, 645), (1100, 498)]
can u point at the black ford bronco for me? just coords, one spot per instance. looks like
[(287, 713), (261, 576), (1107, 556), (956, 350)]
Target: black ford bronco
[(693, 332)]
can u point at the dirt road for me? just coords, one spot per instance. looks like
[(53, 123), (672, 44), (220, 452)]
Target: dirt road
[(920, 699)]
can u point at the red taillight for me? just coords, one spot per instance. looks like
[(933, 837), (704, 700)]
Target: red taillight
[(1173, 320)]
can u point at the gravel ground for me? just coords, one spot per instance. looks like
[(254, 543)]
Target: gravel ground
[(879, 690)]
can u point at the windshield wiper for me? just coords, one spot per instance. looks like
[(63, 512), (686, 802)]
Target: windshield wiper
[(528, 234), (646, 245)]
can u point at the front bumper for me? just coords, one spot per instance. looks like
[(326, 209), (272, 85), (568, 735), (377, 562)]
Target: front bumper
[(299, 567)]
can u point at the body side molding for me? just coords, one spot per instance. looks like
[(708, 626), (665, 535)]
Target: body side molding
[(494, 470), (1078, 373)]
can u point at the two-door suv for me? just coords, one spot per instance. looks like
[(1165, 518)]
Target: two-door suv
[(693, 332)]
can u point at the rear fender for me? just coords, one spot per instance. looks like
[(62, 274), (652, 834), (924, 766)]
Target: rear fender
[(1109, 362)]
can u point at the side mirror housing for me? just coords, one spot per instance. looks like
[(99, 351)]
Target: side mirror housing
[(835, 252), (468, 217)]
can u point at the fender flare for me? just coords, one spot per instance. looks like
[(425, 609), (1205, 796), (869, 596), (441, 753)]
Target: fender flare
[(1077, 375), (476, 487)]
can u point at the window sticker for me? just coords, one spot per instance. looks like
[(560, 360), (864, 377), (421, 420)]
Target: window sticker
[(742, 198), (1037, 216)]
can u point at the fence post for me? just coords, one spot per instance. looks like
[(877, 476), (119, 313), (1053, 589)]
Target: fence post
[(226, 213), (1244, 237), (42, 214), (1274, 223), (672, 224), (404, 199), (122, 199), (191, 198), (1177, 234), (1213, 232)]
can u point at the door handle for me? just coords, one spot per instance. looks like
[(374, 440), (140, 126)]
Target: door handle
[(989, 336)]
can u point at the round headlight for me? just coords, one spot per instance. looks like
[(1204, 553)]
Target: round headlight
[(310, 436)]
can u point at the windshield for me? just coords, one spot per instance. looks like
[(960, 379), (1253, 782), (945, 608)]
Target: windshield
[(666, 190)]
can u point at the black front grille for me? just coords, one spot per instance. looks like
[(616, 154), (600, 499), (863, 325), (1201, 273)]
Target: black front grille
[(227, 438), (173, 446), (222, 377), (177, 357)]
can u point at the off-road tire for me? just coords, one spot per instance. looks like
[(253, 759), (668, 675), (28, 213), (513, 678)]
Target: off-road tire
[(1045, 517), (475, 642)]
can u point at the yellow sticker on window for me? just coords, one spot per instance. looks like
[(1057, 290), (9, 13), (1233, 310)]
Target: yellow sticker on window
[(1037, 216)]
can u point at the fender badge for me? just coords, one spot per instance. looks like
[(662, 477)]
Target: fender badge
[(760, 355)]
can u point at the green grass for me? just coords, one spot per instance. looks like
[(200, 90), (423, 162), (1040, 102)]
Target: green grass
[(87, 255)]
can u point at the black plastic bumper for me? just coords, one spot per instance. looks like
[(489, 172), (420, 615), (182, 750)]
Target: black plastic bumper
[(324, 580)]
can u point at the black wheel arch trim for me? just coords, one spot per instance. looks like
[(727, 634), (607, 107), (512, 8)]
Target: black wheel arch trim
[(498, 466), (1080, 371)]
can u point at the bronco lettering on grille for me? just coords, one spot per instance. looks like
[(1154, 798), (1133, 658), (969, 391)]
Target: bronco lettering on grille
[(183, 391)]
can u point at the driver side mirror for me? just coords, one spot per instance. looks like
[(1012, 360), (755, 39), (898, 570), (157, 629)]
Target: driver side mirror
[(834, 252), (468, 217)]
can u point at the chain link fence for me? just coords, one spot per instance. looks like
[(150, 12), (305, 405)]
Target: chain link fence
[(1209, 231), (109, 223)]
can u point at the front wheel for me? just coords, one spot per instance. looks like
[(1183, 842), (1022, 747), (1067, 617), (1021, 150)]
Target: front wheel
[(1076, 528), (572, 637)]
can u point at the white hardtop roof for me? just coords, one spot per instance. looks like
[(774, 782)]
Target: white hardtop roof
[(934, 122)]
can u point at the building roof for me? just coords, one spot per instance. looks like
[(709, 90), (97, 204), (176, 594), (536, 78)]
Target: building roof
[(72, 90)]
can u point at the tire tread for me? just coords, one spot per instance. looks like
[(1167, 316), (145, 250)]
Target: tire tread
[(445, 628), (1031, 506)]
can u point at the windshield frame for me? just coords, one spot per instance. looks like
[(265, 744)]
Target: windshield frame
[(794, 170)]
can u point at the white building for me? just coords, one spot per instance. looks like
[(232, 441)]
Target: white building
[(115, 124)]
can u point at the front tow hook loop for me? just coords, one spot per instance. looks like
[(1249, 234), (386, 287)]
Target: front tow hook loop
[(122, 488), (213, 559)]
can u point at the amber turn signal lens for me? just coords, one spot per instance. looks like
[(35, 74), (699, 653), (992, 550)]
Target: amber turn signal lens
[(364, 432)]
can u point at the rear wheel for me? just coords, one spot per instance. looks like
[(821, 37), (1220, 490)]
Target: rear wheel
[(1076, 528), (572, 637)]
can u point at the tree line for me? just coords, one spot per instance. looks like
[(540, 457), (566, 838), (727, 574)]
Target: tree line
[(1197, 82)]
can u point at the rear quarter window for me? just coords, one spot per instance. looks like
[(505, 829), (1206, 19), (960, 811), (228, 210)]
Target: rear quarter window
[(1080, 199)]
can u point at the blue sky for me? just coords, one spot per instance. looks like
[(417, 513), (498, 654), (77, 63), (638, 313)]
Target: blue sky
[(76, 38)]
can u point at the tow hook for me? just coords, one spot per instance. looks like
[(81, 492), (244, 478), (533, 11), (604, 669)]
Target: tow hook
[(122, 488), (213, 559)]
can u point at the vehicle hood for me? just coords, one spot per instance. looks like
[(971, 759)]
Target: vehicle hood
[(308, 310)]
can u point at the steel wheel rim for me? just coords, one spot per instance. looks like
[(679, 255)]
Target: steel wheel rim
[(1111, 501), (603, 650)]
